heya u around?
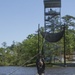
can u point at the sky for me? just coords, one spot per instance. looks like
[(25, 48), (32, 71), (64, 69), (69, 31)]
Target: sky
[(19, 18)]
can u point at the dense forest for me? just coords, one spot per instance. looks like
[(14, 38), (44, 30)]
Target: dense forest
[(19, 53)]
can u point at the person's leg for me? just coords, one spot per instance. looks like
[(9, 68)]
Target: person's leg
[(42, 73)]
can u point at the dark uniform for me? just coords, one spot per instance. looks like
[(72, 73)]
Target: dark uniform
[(40, 65)]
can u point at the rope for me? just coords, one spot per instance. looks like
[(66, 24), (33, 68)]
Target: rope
[(22, 65)]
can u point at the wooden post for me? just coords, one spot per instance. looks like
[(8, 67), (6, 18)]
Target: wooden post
[(64, 48)]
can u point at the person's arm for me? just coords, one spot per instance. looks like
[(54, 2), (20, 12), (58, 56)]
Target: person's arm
[(43, 64)]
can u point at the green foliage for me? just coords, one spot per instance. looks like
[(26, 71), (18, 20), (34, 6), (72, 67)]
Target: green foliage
[(19, 53)]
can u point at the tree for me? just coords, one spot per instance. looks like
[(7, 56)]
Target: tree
[(70, 32)]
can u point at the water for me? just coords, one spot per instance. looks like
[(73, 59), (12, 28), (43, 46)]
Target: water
[(14, 70)]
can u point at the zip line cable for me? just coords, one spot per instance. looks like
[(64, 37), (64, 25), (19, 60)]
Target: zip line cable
[(29, 59), (22, 65)]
